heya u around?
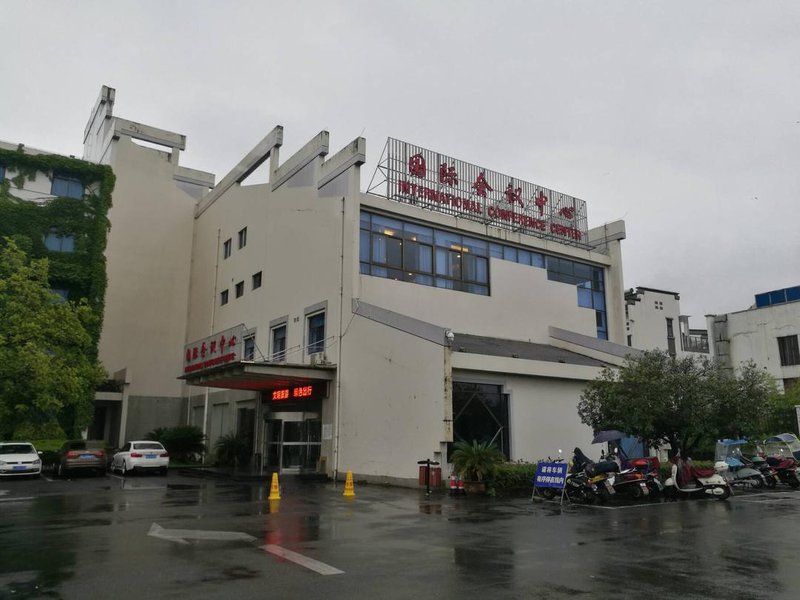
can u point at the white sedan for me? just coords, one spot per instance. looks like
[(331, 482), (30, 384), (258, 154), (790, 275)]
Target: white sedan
[(19, 458), (141, 456)]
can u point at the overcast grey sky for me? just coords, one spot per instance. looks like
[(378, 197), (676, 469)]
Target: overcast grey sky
[(682, 118)]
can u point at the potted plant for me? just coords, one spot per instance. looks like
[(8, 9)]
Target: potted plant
[(475, 463)]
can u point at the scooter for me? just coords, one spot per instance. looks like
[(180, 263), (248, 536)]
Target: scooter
[(690, 482), (650, 467), (732, 466), (630, 482), (600, 475)]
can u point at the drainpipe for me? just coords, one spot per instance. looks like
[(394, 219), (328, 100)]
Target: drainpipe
[(337, 411), (211, 332)]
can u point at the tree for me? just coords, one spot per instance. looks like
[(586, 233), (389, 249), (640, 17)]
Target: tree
[(48, 369), (684, 402)]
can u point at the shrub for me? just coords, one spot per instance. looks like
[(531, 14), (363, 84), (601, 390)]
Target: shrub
[(477, 461), (514, 475), (232, 449), (181, 442)]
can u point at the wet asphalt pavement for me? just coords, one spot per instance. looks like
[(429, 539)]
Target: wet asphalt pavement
[(181, 537)]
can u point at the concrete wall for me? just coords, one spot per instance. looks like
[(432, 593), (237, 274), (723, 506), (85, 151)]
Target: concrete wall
[(752, 335), (146, 413), (647, 320)]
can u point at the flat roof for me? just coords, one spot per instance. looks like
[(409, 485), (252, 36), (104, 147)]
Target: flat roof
[(490, 346)]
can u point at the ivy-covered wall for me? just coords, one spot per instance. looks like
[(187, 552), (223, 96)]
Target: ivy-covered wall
[(83, 271)]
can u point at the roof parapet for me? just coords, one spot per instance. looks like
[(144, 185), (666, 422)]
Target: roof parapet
[(317, 147)]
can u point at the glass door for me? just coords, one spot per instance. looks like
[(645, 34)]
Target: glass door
[(293, 442)]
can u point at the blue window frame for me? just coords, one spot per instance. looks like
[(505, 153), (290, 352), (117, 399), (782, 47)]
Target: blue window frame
[(56, 242), (279, 343), (66, 187), (316, 332)]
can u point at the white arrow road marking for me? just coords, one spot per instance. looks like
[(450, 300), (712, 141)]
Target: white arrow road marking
[(303, 561), (181, 535)]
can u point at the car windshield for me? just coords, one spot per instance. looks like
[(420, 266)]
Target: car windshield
[(16, 449), (148, 446)]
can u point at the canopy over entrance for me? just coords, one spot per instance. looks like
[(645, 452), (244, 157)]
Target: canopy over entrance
[(248, 375)]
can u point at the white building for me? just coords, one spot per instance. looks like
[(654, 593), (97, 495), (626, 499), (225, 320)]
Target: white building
[(654, 322), (766, 333), (343, 330)]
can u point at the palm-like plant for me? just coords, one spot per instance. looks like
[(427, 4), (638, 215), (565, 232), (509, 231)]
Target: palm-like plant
[(476, 461)]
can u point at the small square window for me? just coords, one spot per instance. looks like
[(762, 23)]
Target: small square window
[(223, 297), (226, 248), (257, 280), (242, 238), (66, 187), (240, 289)]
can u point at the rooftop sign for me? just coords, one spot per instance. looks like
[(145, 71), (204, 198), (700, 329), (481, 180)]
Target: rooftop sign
[(219, 349), (433, 181)]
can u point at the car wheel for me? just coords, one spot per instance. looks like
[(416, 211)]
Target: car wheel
[(60, 470), (124, 469)]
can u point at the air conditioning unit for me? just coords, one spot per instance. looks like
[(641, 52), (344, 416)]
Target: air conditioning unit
[(317, 358)]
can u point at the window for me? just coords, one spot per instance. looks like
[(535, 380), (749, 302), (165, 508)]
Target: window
[(240, 289), (250, 347), (788, 348), (223, 297), (61, 293), (2, 173), (316, 333), (66, 187), (242, 238), (670, 338), (55, 242), (226, 248), (279, 343), (257, 280)]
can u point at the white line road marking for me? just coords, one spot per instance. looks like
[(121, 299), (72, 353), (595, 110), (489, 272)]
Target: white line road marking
[(17, 499), (303, 561), (181, 535), (47, 479), (3, 492)]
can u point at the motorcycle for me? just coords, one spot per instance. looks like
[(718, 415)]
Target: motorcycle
[(600, 475), (650, 467), (781, 454), (577, 486), (729, 462), (630, 482), (690, 482)]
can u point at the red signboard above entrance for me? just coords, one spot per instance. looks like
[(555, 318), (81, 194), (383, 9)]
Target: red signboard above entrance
[(443, 184), (219, 349)]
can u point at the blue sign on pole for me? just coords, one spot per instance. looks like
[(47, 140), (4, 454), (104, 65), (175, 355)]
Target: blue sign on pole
[(550, 475)]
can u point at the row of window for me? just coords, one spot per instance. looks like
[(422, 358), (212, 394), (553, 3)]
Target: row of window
[(224, 295), (227, 246), (67, 187), (407, 251), (315, 341)]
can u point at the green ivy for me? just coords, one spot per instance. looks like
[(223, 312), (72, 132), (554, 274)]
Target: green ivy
[(82, 272)]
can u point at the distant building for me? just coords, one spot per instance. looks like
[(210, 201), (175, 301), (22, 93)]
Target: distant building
[(766, 333), (654, 321)]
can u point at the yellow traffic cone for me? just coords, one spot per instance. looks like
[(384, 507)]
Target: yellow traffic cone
[(349, 490), (274, 490)]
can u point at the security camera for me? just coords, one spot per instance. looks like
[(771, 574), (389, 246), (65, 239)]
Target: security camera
[(450, 336)]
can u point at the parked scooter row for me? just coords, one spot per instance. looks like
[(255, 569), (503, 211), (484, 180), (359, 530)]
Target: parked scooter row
[(738, 463)]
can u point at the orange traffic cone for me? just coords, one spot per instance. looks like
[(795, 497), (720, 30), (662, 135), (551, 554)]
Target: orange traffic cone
[(453, 485), (349, 490), (274, 490), (461, 491)]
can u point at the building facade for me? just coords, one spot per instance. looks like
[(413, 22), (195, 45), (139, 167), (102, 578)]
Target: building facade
[(766, 333), (654, 322)]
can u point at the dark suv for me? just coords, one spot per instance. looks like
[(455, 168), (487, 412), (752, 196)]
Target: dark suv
[(81, 455)]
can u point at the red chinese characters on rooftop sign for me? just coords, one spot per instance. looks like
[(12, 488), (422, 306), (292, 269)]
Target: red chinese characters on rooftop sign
[(219, 349), (459, 188)]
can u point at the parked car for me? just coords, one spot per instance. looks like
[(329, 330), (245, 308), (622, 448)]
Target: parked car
[(81, 455), (19, 458), (141, 456)]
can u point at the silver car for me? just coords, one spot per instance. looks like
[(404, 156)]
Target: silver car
[(141, 456), (19, 458)]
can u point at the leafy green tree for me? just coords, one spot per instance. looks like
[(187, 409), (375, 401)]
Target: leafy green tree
[(48, 369), (686, 402)]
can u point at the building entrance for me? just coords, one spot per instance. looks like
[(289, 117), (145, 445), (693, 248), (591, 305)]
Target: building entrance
[(293, 442)]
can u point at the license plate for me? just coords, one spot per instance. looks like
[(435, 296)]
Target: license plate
[(87, 456), (150, 456), (20, 468)]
